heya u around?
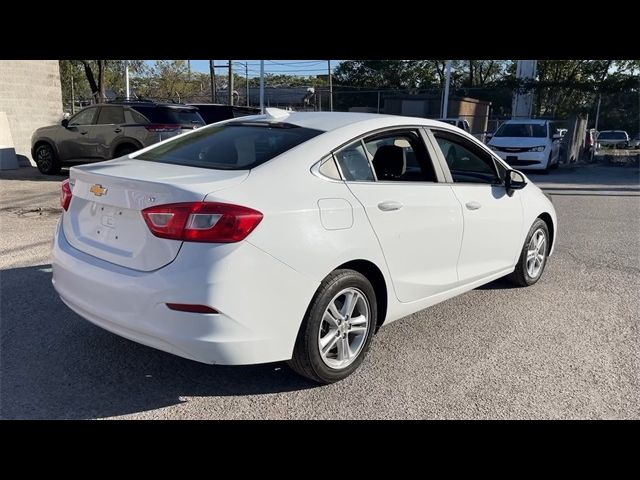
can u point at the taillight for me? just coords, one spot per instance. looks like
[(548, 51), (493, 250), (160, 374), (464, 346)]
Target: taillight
[(202, 221), (65, 195), (156, 127)]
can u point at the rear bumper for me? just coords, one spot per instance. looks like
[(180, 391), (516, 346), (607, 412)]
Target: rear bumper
[(256, 323)]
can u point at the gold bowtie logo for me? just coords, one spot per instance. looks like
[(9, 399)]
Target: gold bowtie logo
[(98, 190)]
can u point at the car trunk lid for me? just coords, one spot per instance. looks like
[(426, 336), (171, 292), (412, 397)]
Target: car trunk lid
[(105, 220)]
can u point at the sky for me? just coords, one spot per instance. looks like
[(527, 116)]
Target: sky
[(289, 67)]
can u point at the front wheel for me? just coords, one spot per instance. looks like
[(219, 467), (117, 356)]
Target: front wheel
[(337, 329), (533, 257), (46, 160)]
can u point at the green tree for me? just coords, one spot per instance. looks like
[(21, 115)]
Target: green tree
[(91, 78)]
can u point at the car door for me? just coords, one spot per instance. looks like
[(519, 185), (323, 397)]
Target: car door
[(492, 218), (107, 131), (415, 216), (72, 140)]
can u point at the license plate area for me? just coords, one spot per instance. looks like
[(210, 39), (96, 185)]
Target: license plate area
[(117, 230)]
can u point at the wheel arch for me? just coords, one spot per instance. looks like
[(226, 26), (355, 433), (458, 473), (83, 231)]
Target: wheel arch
[(124, 142), (44, 141), (373, 273), (546, 218)]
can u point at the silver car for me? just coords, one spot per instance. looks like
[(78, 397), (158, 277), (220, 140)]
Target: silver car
[(111, 130), (613, 138)]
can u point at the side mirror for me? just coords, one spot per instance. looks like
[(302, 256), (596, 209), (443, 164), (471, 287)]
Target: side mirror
[(514, 180), (65, 122)]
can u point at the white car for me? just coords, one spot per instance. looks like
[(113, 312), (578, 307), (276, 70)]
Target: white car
[(292, 236), (532, 144)]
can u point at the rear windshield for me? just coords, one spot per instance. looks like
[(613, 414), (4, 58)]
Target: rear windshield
[(234, 146), (168, 115), (612, 136), (521, 130)]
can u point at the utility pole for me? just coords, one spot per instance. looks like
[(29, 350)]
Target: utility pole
[(246, 74), (230, 82), (189, 68), (73, 97), (330, 87), (445, 101), (212, 78), (261, 86), (126, 77), (598, 112)]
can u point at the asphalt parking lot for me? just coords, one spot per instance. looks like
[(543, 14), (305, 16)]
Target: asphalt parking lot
[(568, 347)]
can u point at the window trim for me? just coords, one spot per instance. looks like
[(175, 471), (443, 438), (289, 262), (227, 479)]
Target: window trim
[(419, 129), (445, 166), (93, 119)]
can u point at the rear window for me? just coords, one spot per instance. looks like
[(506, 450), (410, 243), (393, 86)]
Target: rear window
[(180, 116), (522, 130), (233, 146)]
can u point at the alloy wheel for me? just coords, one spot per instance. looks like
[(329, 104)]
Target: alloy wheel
[(536, 252), (344, 328)]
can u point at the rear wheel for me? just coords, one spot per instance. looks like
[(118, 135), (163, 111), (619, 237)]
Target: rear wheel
[(46, 160), (533, 257), (337, 329), (125, 150)]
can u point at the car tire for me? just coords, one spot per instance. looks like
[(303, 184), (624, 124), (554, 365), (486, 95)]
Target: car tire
[(524, 275), (341, 332), (47, 160)]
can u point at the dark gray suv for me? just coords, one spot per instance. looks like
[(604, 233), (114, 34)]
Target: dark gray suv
[(110, 130)]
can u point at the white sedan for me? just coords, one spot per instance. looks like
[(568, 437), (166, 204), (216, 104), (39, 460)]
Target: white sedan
[(293, 236)]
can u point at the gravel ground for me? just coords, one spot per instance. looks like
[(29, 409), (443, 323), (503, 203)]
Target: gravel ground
[(568, 347)]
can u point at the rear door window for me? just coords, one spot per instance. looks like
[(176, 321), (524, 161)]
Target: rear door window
[(110, 116), (233, 146), (354, 163)]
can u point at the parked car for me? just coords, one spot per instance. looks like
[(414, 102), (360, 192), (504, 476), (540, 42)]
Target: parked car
[(293, 236), (532, 144), (110, 130), (635, 141), (457, 122), (613, 138), (590, 143), (214, 112)]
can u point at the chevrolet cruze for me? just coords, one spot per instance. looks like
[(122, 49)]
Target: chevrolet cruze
[(293, 236)]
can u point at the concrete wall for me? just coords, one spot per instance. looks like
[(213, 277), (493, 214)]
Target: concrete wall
[(31, 96)]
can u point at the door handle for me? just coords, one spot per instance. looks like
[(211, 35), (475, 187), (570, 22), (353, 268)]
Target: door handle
[(390, 206), (117, 130), (473, 205)]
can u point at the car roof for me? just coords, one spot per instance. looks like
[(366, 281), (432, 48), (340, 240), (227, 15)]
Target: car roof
[(150, 104), (537, 121), (328, 121)]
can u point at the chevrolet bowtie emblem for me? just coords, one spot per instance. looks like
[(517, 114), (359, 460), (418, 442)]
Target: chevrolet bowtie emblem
[(98, 190)]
